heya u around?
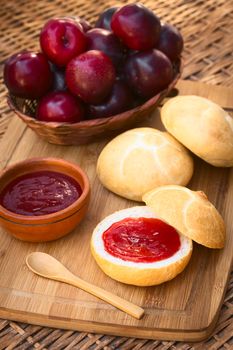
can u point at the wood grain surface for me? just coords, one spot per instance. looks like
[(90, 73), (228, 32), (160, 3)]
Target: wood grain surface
[(185, 308)]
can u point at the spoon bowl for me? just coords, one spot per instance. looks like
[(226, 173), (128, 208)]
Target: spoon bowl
[(47, 266)]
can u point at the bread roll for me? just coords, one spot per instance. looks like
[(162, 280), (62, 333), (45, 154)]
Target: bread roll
[(141, 159), (189, 212), (202, 126), (137, 273)]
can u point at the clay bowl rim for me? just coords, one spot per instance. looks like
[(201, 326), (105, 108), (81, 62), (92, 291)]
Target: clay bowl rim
[(58, 216), (92, 123)]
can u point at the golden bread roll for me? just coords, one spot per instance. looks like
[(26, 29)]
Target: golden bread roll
[(141, 159), (202, 126), (138, 273), (189, 212)]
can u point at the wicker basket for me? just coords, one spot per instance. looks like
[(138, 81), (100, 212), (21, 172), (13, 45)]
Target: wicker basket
[(88, 130)]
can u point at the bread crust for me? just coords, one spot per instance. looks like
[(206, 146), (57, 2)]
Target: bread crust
[(138, 274), (190, 212), (202, 126), (141, 159)]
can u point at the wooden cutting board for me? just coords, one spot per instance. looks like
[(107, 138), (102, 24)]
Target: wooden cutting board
[(185, 308)]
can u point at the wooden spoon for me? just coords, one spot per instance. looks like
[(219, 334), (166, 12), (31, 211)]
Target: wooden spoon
[(47, 266)]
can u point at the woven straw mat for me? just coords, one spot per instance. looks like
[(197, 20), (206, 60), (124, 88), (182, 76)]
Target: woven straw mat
[(207, 29)]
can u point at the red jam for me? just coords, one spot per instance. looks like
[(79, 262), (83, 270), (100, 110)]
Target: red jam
[(141, 240), (40, 193)]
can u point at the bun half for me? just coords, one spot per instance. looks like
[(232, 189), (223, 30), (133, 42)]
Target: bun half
[(139, 274), (190, 212)]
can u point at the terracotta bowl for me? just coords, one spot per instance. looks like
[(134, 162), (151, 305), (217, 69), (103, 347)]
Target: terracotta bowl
[(51, 226), (89, 130)]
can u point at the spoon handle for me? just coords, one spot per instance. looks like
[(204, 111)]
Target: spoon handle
[(122, 304)]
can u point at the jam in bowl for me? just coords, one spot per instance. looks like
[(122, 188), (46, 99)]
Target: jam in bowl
[(42, 199)]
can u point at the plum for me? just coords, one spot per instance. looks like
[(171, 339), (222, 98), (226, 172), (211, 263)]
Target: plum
[(91, 76), (136, 26), (28, 75), (148, 72), (59, 107)]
